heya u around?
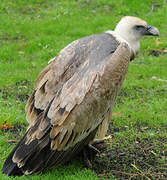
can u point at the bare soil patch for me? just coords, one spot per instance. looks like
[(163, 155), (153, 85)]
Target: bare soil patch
[(144, 158)]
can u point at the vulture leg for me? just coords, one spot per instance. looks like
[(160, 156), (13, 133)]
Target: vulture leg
[(104, 126), (88, 154), (90, 151), (86, 158), (99, 144)]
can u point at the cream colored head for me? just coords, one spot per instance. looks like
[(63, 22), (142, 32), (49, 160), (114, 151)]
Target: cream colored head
[(132, 29)]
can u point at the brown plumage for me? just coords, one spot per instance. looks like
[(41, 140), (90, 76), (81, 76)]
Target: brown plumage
[(71, 100)]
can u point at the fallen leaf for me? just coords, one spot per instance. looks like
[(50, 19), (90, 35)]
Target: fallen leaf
[(12, 141), (116, 114), (158, 42), (6, 125), (158, 79), (9, 125), (107, 137)]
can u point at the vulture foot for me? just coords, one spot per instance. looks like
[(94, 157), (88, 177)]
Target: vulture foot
[(99, 144), (90, 151)]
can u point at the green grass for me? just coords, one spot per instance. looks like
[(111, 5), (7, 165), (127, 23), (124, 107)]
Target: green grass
[(32, 32)]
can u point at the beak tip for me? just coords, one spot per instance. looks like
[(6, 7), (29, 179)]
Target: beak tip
[(153, 31), (156, 32)]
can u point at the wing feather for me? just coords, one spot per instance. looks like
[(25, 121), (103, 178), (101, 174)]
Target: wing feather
[(71, 98), (87, 81)]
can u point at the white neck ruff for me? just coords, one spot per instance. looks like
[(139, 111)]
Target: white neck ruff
[(121, 40)]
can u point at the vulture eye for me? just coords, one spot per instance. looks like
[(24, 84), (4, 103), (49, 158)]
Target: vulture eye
[(139, 27)]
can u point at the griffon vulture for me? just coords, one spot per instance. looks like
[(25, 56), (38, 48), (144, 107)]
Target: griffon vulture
[(73, 97)]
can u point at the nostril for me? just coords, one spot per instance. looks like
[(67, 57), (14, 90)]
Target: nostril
[(149, 27)]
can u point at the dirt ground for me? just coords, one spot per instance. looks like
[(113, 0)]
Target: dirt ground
[(144, 158)]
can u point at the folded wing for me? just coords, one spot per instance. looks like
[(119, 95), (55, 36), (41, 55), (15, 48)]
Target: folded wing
[(71, 98)]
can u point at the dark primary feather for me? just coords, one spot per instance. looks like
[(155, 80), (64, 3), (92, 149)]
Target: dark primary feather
[(71, 97)]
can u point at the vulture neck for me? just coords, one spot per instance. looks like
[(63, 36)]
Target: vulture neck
[(133, 43), (130, 38)]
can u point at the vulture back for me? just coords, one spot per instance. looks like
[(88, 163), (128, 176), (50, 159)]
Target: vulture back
[(71, 99)]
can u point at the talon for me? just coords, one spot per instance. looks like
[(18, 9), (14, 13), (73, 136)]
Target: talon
[(98, 141), (100, 144), (93, 148)]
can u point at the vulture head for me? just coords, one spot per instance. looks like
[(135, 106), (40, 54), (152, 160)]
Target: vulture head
[(132, 29)]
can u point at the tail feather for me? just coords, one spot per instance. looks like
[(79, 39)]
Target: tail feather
[(10, 168), (40, 157)]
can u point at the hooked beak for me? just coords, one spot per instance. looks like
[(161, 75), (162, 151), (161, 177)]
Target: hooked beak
[(151, 31)]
